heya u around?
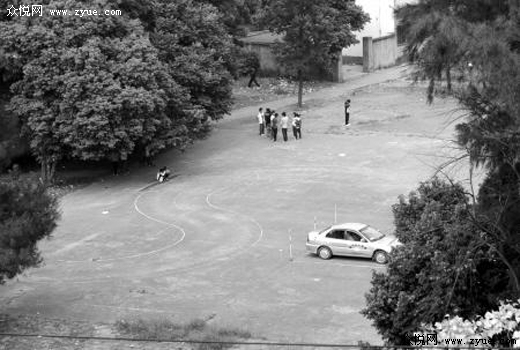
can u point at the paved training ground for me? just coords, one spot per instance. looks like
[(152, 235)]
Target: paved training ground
[(213, 242)]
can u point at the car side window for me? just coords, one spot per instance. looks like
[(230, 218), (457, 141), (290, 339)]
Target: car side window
[(353, 236), (336, 234)]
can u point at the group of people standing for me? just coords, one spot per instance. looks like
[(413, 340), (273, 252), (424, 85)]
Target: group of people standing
[(269, 121)]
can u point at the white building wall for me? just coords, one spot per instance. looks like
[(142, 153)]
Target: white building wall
[(381, 23)]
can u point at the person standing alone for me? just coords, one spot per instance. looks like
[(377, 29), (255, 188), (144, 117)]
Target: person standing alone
[(284, 122), (347, 112), (261, 121)]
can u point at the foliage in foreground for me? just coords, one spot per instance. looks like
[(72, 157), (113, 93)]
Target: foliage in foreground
[(444, 266), (498, 328), (27, 215), (196, 330), (459, 258)]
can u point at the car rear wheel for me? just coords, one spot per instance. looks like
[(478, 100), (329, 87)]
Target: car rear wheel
[(381, 257), (324, 253)]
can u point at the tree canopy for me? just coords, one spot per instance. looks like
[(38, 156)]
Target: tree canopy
[(314, 33), (27, 215), (104, 87), (197, 50), (443, 267)]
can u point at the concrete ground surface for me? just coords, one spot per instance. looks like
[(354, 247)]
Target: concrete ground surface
[(214, 241)]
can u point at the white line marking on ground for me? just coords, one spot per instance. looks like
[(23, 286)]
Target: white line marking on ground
[(136, 207), (260, 236), (139, 255)]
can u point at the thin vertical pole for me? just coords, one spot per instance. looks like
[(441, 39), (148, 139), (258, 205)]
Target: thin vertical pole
[(290, 246)]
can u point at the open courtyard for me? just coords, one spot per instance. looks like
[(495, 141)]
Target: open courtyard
[(224, 239)]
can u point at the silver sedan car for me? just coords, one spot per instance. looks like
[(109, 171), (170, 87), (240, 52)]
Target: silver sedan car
[(351, 239)]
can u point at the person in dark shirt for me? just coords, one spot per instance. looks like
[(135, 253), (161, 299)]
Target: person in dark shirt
[(347, 112)]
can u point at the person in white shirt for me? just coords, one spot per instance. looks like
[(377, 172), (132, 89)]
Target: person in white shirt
[(261, 121), (284, 122), (297, 126)]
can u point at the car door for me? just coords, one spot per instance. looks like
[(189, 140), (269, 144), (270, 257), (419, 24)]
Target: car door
[(335, 240), (359, 245)]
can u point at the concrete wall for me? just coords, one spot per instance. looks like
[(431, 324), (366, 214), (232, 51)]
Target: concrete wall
[(269, 66), (385, 51), (380, 52), (381, 23)]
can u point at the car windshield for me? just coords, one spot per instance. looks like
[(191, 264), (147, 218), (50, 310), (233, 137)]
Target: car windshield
[(325, 229), (371, 233)]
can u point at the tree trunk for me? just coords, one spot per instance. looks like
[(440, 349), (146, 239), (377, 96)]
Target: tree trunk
[(43, 175), (448, 78), (300, 88), (48, 168)]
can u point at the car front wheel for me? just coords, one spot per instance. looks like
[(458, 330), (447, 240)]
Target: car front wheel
[(381, 257), (324, 253)]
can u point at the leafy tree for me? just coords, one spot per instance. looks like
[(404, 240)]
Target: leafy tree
[(91, 88), (437, 34), (197, 51), (143, 10), (27, 214), (314, 32), (235, 13), (443, 267), (491, 133)]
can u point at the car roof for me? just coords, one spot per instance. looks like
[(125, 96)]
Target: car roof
[(349, 225)]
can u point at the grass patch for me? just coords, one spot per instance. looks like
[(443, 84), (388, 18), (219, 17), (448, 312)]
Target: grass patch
[(196, 330)]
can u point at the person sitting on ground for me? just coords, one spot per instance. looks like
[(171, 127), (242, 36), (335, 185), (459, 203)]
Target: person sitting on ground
[(163, 174)]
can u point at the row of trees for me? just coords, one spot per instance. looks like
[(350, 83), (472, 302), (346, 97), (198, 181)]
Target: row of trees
[(104, 87), (461, 253)]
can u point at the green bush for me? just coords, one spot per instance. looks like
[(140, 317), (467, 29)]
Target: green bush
[(440, 269), (27, 215)]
